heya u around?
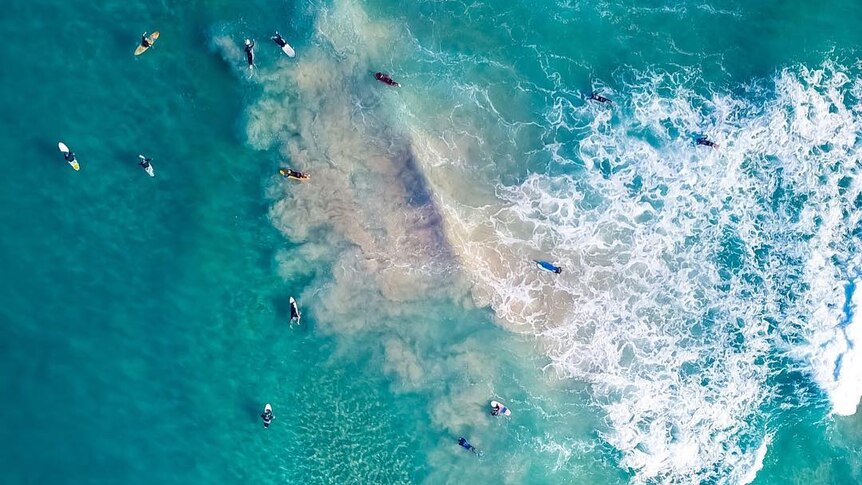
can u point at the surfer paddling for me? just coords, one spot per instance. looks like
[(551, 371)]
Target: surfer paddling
[(702, 140), (145, 42), (278, 39), (599, 98), (546, 266), (249, 53), (290, 173), (385, 79)]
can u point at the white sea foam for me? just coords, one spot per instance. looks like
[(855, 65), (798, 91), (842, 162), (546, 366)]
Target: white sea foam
[(688, 270)]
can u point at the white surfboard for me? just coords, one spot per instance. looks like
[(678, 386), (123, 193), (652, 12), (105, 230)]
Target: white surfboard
[(287, 49), (503, 409), (64, 149), (149, 170), (294, 311)]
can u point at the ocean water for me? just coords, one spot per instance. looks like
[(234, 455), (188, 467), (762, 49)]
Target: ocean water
[(703, 330)]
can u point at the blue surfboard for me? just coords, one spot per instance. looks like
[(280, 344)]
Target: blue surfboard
[(547, 266)]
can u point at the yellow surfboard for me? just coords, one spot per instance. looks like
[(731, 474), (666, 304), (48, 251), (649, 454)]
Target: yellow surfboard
[(151, 39)]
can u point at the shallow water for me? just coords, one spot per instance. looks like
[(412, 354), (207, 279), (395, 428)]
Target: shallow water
[(701, 332)]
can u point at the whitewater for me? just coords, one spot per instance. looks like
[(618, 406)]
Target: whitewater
[(705, 293)]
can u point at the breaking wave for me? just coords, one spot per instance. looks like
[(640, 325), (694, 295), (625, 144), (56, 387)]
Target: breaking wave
[(696, 280)]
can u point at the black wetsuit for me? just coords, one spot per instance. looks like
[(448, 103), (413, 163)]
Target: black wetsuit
[(599, 98), (145, 162), (70, 157), (288, 172), (267, 418), (249, 54), (385, 79), (144, 41), (278, 40), (705, 142)]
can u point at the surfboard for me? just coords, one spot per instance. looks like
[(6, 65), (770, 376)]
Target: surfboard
[(266, 409), (151, 39), (294, 311), (504, 410), (546, 266), (149, 170), (293, 174), (287, 49), (64, 149)]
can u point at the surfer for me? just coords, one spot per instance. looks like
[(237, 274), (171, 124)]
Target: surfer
[(548, 266), (278, 39), (294, 312), (702, 140), (145, 43), (145, 162), (290, 173), (249, 53), (70, 157), (495, 409), (385, 79), (267, 417), (598, 97), (467, 446)]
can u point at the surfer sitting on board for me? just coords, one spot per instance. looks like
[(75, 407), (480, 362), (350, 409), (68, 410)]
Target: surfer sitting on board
[(385, 79), (267, 417), (598, 97), (249, 53), (278, 39), (145, 162), (495, 410), (69, 156), (702, 140), (144, 41)]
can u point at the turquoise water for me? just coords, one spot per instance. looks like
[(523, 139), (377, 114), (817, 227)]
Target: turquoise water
[(699, 333)]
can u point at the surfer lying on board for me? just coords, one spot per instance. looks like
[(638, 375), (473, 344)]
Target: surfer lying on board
[(598, 97), (278, 39), (293, 174), (702, 140), (249, 53), (548, 266), (385, 79), (145, 162), (144, 41)]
